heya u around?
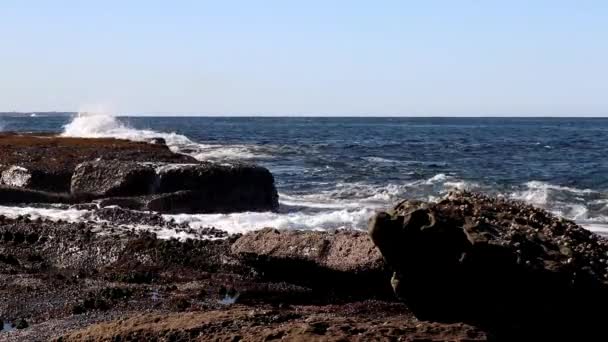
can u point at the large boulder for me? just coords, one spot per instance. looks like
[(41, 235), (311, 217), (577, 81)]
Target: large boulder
[(504, 265), (213, 187), (343, 261), (113, 178)]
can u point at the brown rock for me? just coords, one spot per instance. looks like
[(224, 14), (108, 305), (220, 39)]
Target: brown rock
[(342, 262), (51, 160), (336, 323)]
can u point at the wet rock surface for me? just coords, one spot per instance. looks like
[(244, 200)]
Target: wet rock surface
[(112, 178), (505, 266)]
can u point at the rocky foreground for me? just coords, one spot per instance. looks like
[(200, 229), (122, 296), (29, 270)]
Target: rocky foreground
[(467, 268)]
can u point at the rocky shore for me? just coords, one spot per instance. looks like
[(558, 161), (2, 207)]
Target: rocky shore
[(467, 268), (137, 175)]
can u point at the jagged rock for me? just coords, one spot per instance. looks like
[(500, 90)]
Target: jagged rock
[(16, 176), (113, 178), (344, 260), (500, 264)]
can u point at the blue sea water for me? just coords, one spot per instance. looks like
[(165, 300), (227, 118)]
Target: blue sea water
[(334, 172)]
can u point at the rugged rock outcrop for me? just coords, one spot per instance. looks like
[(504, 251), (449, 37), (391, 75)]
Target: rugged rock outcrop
[(503, 265), (212, 187), (196, 188), (107, 178), (134, 175), (94, 281), (51, 160)]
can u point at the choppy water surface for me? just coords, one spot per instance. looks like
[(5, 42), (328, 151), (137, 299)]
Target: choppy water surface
[(335, 172)]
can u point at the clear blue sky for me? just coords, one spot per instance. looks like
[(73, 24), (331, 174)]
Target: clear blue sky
[(306, 57)]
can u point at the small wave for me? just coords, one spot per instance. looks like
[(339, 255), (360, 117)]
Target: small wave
[(441, 177), (373, 159), (543, 185), (599, 228), (223, 152), (580, 205), (541, 193), (460, 185)]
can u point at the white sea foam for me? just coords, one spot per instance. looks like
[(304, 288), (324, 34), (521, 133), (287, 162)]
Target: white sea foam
[(460, 185), (53, 214), (244, 222), (223, 152), (97, 125), (538, 192)]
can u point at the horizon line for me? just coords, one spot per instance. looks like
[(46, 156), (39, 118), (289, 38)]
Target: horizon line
[(165, 114)]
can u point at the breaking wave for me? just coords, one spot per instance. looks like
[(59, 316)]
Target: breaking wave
[(94, 125)]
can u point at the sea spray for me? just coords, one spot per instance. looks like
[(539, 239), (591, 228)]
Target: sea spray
[(102, 125), (96, 125)]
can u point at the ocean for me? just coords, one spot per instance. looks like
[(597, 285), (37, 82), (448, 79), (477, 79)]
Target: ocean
[(336, 172)]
